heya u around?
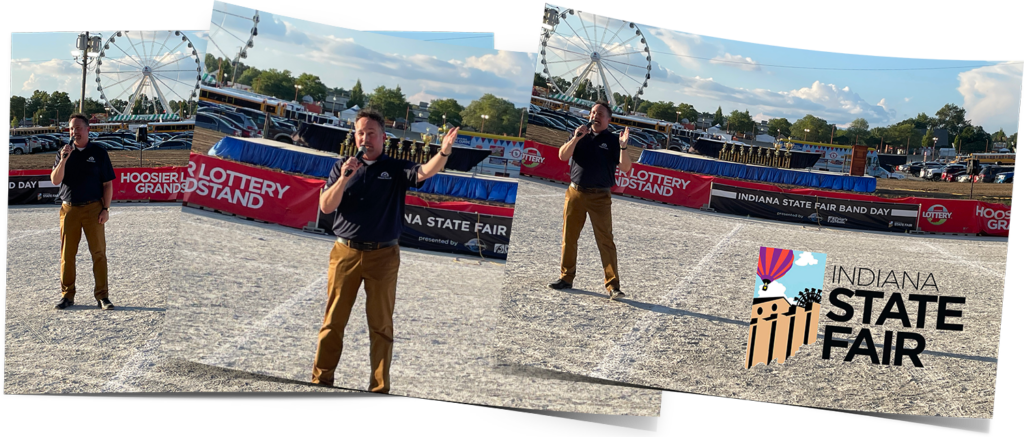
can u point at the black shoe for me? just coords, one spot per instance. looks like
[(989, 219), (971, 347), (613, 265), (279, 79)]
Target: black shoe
[(64, 304), (104, 304), (560, 285), (616, 294)]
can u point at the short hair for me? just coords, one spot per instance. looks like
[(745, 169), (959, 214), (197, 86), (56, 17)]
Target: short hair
[(604, 103), (79, 116), (372, 114)]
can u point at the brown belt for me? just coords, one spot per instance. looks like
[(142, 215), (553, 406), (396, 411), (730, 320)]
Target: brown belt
[(367, 246), (589, 190), (81, 203)]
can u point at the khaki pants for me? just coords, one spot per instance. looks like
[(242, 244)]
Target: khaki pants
[(348, 268), (73, 220), (598, 205)]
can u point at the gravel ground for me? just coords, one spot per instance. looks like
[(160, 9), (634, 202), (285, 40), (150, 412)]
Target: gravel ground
[(145, 344), (689, 279)]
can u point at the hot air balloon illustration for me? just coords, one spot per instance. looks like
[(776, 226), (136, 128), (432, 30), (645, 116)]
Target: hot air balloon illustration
[(773, 264)]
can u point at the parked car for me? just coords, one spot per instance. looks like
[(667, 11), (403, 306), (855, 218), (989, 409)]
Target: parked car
[(24, 145), (277, 131), (547, 122), (244, 121), (172, 145), (988, 173), (214, 122), (1004, 178)]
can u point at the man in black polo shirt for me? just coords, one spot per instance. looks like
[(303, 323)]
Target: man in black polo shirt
[(593, 154), (84, 174), (369, 195)]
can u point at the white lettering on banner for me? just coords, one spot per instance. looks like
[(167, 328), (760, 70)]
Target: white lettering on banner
[(650, 182), (998, 219), (491, 229), (232, 186), (756, 198), (413, 219), (23, 184)]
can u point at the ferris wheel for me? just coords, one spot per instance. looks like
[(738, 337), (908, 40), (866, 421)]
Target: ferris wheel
[(232, 35), (147, 66), (599, 55)]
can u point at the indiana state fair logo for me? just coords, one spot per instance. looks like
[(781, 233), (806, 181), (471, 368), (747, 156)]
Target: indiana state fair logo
[(532, 157), (787, 300)]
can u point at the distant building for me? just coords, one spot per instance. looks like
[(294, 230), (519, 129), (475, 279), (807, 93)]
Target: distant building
[(420, 113), (941, 133), (336, 102), (703, 122)]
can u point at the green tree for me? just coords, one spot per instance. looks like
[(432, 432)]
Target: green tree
[(688, 112), (311, 86), (953, 118), (247, 76), (818, 129), (389, 102), (92, 106), (538, 80), (18, 108), (442, 108), (210, 62), (926, 139), (356, 96), (858, 130), (779, 127), (719, 119), (60, 102), (740, 121), (662, 111), (36, 102), (503, 116), (275, 83)]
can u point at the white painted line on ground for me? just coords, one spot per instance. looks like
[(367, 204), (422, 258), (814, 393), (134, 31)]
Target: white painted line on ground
[(630, 348), (224, 357)]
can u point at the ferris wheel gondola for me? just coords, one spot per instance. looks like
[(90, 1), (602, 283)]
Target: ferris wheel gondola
[(232, 36)]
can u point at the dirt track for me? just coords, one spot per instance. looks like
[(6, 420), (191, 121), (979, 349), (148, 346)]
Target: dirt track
[(889, 188)]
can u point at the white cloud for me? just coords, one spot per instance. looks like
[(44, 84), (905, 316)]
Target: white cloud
[(907, 99), (504, 64), (775, 290), (806, 259), (737, 61), (992, 96), (682, 44)]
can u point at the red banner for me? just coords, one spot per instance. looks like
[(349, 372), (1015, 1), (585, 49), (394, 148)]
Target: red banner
[(946, 215), (993, 218), (251, 192), (541, 160), (663, 185), (460, 206), (163, 184)]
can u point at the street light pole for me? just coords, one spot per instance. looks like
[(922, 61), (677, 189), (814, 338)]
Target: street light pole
[(805, 133), (483, 119), (297, 88)]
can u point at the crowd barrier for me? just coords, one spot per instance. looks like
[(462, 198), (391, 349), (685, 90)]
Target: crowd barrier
[(950, 216)]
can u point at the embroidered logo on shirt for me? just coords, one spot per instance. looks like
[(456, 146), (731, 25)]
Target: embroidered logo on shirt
[(384, 175), (603, 146), (91, 159)]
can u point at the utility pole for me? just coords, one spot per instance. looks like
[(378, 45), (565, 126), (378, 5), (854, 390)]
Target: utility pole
[(85, 63)]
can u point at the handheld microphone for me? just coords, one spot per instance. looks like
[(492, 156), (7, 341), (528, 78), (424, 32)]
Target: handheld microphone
[(590, 125), (359, 157)]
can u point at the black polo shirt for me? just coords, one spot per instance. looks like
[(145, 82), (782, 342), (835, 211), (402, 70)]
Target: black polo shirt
[(373, 205), (84, 174), (594, 160)]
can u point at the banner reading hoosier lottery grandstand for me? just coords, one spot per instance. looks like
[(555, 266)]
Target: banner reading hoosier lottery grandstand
[(824, 211), (161, 184)]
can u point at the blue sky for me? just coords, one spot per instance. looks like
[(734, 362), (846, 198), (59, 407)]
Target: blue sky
[(461, 65), (710, 72), (808, 271)]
